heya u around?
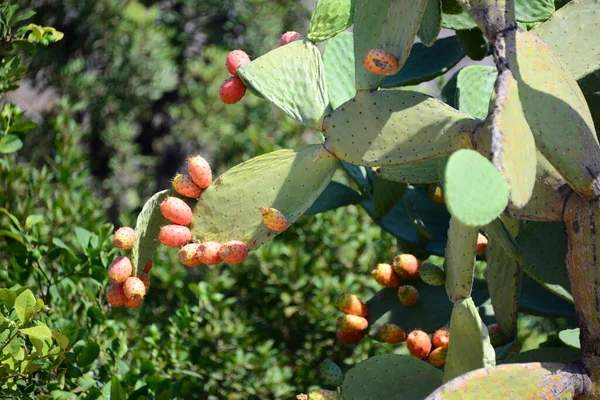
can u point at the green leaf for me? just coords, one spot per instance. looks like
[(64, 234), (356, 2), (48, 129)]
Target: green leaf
[(335, 195), (10, 144), (116, 390), (83, 237), (88, 354), (62, 395), (474, 88), (32, 220), (475, 192), (8, 297), (570, 337), (40, 331), (338, 62), (385, 195), (61, 339), (329, 18), (25, 305), (429, 29)]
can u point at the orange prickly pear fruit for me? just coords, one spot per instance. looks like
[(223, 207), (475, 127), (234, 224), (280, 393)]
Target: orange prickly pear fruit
[(174, 235), (497, 337), (381, 62), (352, 323), (384, 275), (200, 171), (436, 194), (441, 338), (176, 211), (323, 394), (392, 333), (120, 269), (437, 357), (274, 219), (350, 337), (351, 304), (406, 266), (482, 242), (145, 278), (236, 59), (133, 302), (134, 287), (233, 252), (115, 295), (208, 253), (124, 238), (147, 267), (289, 37), (188, 255), (418, 343), (185, 186), (408, 295)]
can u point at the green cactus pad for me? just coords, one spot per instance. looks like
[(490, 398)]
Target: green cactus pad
[(474, 87), (535, 299), (570, 337), (292, 78), (431, 312), (432, 274), (387, 25), (513, 146), (501, 234), (460, 260), (555, 110), (385, 195), (534, 10), (288, 180), (334, 196), (338, 62), (430, 26), (329, 18), (458, 21), (504, 283), (475, 192), (425, 171), (562, 355), (391, 376), (390, 127), (331, 374), (509, 381), (425, 63), (474, 43), (470, 346), (579, 49)]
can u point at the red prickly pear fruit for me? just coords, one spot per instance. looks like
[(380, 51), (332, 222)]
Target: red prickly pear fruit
[(289, 37), (436, 194), (185, 186), (208, 252), (124, 238), (115, 295), (174, 235), (232, 90), (236, 59), (408, 295), (176, 211), (352, 323), (441, 338), (437, 357), (133, 302), (233, 252), (497, 337), (419, 344), (147, 267), (323, 394), (392, 333), (188, 255), (199, 170), (134, 287), (145, 278), (406, 266), (351, 304), (482, 242), (274, 219), (381, 62), (350, 337), (384, 275), (120, 269)]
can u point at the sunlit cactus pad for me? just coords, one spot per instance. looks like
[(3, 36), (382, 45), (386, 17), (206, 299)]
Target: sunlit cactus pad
[(329, 18), (288, 180), (459, 263), (338, 61), (474, 87)]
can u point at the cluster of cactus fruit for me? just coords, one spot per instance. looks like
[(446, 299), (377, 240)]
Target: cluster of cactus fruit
[(510, 150)]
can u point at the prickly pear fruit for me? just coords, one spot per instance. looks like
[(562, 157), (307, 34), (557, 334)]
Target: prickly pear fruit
[(147, 267), (432, 275), (331, 374), (381, 62), (274, 219), (323, 394), (174, 235), (145, 278), (482, 242), (436, 194), (208, 253), (451, 7), (419, 344), (134, 287), (236, 59), (188, 255), (441, 338), (350, 337), (133, 302), (384, 275), (392, 333), (408, 295), (351, 304), (406, 266), (124, 238), (115, 295), (233, 252), (200, 171), (289, 37), (232, 90), (120, 269), (497, 337), (176, 210), (352, 323), (437, 357), (185, 186)]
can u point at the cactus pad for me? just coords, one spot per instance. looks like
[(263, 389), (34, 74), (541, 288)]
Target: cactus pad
[(425, 63), (329, 18), (563, 355), (425, 171), (335, 195), (288, 180), (385, 195), (570, 337), (429, 29), (338, 62), (389, 376), (535, 299), (474, 85), (395, 127), (534, 10), (460, 260), (387, 25), (474, 43), (475, 192), (470, 346), (291, 77), (555, 110), (458, 22), (513, 146)]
